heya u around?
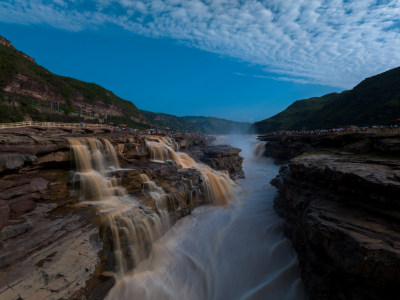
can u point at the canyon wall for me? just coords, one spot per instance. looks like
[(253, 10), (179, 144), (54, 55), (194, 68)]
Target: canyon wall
[(54, 247), (339, 196)]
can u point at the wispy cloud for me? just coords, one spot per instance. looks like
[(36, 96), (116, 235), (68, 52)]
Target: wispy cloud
[(329, 42)]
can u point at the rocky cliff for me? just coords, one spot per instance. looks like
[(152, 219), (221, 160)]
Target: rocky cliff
[(339, 198), (283, 148), (221, 157), (51, 246)]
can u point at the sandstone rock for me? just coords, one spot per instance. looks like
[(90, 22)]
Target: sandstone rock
[(10, 182), (193, 141), (50, 257), (16, 191), (342, 215), (13, 231), (287, 147), (39, 184), (4, 213), (50, 246), (57, 271), (221, 157), (24, 186), (21, 206), (14, 161), (54, 157)]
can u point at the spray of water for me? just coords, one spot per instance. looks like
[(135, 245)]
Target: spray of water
[(236, 251), (217, 185), (131, 228)]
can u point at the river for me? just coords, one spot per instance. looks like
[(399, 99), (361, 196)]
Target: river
[(236, 251)]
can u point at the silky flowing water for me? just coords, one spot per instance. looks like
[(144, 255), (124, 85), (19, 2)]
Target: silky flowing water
[(235, 251), (217, 184), (131, 228)]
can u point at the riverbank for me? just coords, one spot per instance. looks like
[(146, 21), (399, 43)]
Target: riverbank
[(52, 246), (339, 195)]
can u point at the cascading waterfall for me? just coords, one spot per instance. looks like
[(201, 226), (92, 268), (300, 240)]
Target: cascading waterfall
[(259, 149), (161, 152), (160, 198), (217, 185), (237, 251), (132, 229)]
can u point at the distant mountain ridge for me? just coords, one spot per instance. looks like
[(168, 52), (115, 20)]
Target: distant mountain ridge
[(29, 91), (374, 101), (208, 125)]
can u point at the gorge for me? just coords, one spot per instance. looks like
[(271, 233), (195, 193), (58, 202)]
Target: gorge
[(235, 251), (83, 213)]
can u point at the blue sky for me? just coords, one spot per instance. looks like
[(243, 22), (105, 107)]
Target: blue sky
[(239, 60)]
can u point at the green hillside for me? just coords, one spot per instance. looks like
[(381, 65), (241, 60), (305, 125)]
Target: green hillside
[(208, 125), (75, 94), (13, 62), (375, 101)]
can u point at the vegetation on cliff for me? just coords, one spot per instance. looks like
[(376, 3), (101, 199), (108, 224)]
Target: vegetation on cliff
[(375, 101), (71, 95), (13, 62)]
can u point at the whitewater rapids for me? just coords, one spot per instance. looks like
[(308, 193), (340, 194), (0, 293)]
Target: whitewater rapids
[(237, 251)]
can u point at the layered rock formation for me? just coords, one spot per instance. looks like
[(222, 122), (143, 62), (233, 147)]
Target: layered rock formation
[(54, 248), (221, 157), (283, 148), (342, 212)]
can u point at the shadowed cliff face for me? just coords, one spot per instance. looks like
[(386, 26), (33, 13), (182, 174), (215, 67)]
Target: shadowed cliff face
[(284, 148), (341, 212), (51, 247), (373, 101)]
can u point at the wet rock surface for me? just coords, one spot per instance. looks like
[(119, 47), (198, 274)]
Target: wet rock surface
[(50, 246), (342, 213), (220, 157)]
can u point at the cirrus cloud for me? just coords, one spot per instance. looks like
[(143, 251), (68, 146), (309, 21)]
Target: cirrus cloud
[(329, 42)]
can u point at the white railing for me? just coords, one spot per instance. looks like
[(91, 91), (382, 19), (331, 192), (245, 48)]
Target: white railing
[(54, 124)]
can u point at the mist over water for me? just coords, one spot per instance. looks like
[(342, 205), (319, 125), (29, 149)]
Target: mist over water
[(236, 251)]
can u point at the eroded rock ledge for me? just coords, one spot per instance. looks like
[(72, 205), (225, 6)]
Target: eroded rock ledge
[(283, 148), (342, 213), (52, 248), (221, 157)]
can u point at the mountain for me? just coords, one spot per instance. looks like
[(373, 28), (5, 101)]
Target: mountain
[(207, 125), (374, 101), (44, 96), (29, 91)]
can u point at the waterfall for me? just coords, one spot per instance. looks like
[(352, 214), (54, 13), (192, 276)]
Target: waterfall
[(217, 185), (237, 251), (259, 149), (132, 229), (160, 198)]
